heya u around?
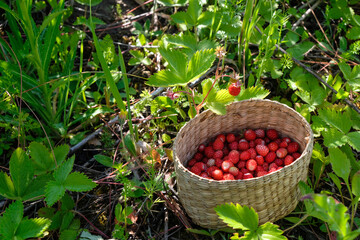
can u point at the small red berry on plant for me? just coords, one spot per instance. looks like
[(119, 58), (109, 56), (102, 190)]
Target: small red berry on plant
[(234, 89)]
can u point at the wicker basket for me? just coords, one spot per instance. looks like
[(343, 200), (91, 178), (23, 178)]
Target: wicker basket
[(273, 196)]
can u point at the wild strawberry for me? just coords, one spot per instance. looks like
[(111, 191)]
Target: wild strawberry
[(262, 150), (259, 168), (259, 141), (198, 156), (286, 139), (202, 166), (267, 140), (261, 173), (211, 169), (234, 89), (273, 170), (270, 157), (259, 159), (225, 151), (251, 165), (209, 152), (234, 156), (234, 171), (218, 144), (201, 148), (239, 176), (204, 175), (243, 145), (278, 141), (205, 160), (230, 137), (250, 135), (281, 152), (218, 162), (252, 144), (265, 166), (241, 164), (248, 176), (217, 174), (218, 154), (245, 155), (260, 133), (244, 170), (196, 170), (279, 162), (210, 162), (233, 145), (221, 137), (273, 146), (273, 165), (296, 155), (226, 165), (272, 134), (252, 152), (288, 160), (293, 147), (228, 176), (283, 144), (191, 162)]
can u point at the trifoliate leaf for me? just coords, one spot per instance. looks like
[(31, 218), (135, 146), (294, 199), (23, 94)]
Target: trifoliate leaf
[(199, 63), (354, 140), (79, 182), (61, 173), (35, 227), (7, 188), (336, 119), (21, 171), (238, 217), (36, 188), (54, 192), (11, 219), (340, 163), (255, 92), (223, 96), (267, 231), (334, 138)]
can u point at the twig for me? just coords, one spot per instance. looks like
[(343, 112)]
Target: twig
[(307, 13)]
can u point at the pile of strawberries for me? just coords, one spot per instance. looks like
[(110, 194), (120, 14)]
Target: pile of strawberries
[(254, 153)]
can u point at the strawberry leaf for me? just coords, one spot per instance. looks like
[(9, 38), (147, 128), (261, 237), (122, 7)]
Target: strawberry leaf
[(238, 217), (41, 158), (60, 153), (7, 188), (355, 184), (11, 219), (62, 172), (54, 192), (34, 227), (255, 92), (267, 231), (340, 163), (78, 182), (336, 119), (354, 140), (223, 96), (334, 138)]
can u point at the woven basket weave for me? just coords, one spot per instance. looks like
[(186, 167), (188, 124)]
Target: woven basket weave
[(273, 196)]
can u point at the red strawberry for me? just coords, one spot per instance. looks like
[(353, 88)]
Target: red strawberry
[(225, 151), (196, 170), (217, 174), (261, 173), (198, 156), (273, 146), (270, 157), (205, 160), (252, 144), (201, 148), (221, 137), (247, 176), (234, 89), (244, 170), (288, 160), (281, 152), (259, 159), (226, 165), (283, 144), (191, 162), (245, 156), (234, 171), (279, 162), (218, 144), (239, 176), (273, 166), (218, 162), (211, 169), (210, 162), (259, 141), (252, 152), (228, 176), (202, 166), (286, 139), (296, 155), (250, 135), (266, 166), (234, 156), (233, 145), (272, 134), (218, 154), (251, 165), (262, 150), (241, 164), (243, 145), (260, 133), (230, 137), (204, 175), (293, 147), (259, 168), (278, 141), (209, 152)]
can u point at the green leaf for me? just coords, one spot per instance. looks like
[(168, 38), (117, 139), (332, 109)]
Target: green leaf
[(299, 50), (354, 140), (336, 119), (62, 172), (335, 180), (69, 234), (223, 96), (11, 219), (67, 203), (36, 188), (199, 63), (7, 188), (218, 108), (21, 171), (355, 184), (89, 2), (353, 33), (267, 231), (60, 153), (30, 228), (199, 231), (340, 163), (41, 158), (79, 182), (334, 138), (194, 11), (54, 192), (104, 160), (254, 92), (238, 217), (129, 144)]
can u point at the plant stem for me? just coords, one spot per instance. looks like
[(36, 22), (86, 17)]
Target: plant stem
[(298, 223)]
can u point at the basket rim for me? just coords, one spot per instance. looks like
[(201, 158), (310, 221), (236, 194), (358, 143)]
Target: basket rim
[(179, 165)]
